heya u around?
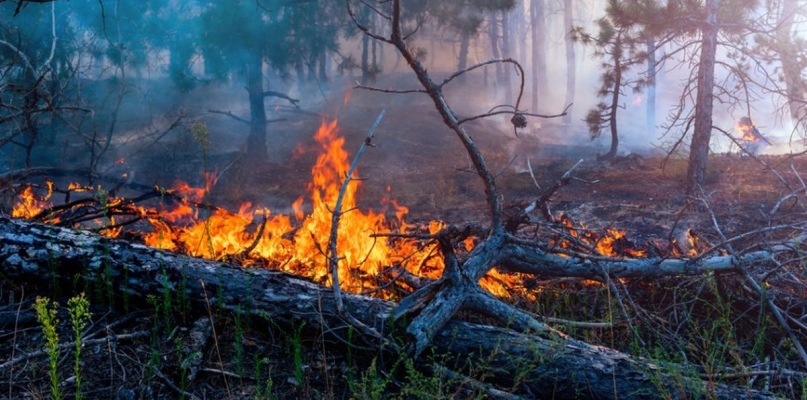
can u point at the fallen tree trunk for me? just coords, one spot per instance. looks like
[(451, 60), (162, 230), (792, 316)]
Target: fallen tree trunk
[(557, 368)]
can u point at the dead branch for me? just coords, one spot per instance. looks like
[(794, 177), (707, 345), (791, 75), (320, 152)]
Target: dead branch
[(270, 93), (333, 254), (231, 115), (542, 201), (42, 353), (741, 267), (531, 258)]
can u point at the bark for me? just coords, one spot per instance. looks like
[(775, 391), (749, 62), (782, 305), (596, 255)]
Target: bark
[(507, 26), (699, 149), (651, 87), (557, 368), (256, 142), (299, 70), (323, 65), (493, 32), (612, 120), (520, 38), (521, 258), (365, 62), (571, 62), (375, 55), (538, 34), (791, 70), (465, 41)]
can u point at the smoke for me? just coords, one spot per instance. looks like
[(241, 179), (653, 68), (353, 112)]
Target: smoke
[(181, 59)]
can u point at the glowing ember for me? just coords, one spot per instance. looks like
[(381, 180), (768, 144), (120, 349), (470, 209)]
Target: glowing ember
[(610, 243)]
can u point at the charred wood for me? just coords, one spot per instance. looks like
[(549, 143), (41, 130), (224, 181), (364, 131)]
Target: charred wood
[(559, 366)]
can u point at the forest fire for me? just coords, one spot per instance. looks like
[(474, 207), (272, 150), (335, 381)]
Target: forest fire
[(181, 214), (254, 236)]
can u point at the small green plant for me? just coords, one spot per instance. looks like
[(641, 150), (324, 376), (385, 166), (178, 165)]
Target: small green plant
[(263, 388), (371, 386), (421, 386), (184, 362), (239, 342), (154, 360), (54, 275), (166, 305), (46, 316), (294, 343), (182, 297), (350, 362), (78, 307), (248, 310), (297, 352), (103, 200)]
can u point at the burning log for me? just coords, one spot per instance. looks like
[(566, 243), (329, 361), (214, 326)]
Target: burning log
[(557, 365)]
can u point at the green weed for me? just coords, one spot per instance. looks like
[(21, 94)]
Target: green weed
[(46, 316), (78, 307)]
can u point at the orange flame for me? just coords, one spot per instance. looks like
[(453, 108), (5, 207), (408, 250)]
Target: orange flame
[(747, 131), (303, 250), (28, 205), (254, 236)]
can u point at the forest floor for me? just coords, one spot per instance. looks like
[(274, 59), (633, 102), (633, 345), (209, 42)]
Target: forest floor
[(287, 362), (419, 164)]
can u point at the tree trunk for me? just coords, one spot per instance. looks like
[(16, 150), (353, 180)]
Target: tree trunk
[(462, 63), (571, 62), (791, 70), (538, 30), (299, 70), (311, 66), (323, 65), (506, 53), (699, 149), (256, 141), (365, 56), (537, 367), (651, 87), (375, 55), (494, 46), (520, 38), (617, 58)]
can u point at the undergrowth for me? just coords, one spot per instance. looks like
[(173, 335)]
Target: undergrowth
[(699, 323)]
